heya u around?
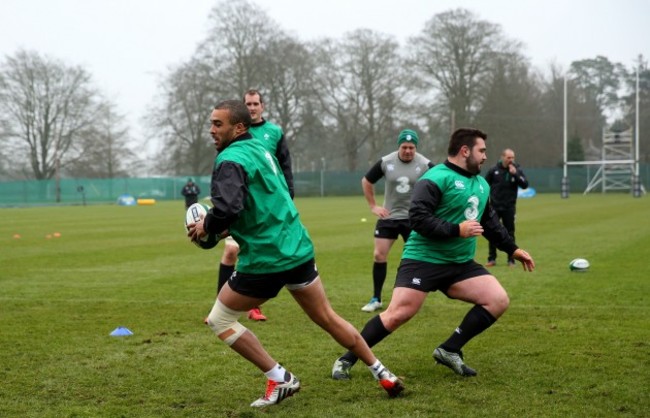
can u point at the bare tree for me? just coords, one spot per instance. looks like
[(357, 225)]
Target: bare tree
[(453, 55), (236, 45), (288, 89), (243, 50), (356, 81), (511, 112), (189, 93), (45, 108), (104, 151)]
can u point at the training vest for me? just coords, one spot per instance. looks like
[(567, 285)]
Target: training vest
[(463, 198), (269, 232)]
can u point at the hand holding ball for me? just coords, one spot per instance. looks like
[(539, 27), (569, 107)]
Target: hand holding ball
[(194, 214)]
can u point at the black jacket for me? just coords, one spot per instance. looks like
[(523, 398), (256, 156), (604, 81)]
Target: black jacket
[(503, 186)]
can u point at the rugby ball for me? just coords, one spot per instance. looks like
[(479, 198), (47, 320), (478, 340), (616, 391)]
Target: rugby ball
[(579, 264), (195, 213)]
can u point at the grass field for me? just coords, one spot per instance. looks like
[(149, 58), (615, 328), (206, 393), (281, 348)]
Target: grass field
[(571, 344)]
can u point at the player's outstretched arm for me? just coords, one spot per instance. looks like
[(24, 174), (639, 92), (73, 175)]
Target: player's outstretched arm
[(526, 260)]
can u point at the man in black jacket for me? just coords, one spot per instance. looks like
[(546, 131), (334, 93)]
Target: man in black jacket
[(191, 192), (505, 178)]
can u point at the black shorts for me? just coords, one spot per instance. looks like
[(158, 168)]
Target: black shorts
[(428, 277), (269, 285), (393, 228)]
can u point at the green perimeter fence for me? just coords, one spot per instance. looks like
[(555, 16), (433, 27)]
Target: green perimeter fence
[(79, 191)]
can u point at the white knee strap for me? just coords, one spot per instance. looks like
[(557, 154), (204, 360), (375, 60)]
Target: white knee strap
[(223, 322)]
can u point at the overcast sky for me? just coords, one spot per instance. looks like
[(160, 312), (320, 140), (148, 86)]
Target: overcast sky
[(127, 44)]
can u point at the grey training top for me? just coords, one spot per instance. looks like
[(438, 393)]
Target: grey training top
[(400, 177)]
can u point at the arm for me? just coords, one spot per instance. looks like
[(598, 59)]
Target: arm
[(424, 201), (284, 158), (368, 185), (229, 193), (497, 234), (519, 176)]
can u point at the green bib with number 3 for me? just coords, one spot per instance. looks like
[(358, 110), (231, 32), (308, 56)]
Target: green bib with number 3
[(463, 198)]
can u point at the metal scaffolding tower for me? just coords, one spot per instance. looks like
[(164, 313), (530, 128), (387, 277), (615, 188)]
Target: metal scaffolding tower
[(619, 164), (616, 169)]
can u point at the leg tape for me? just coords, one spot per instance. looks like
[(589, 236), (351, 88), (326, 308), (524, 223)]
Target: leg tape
[(223, 322)]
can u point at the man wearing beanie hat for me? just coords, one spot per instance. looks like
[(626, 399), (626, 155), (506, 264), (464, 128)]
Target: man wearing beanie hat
[(407, 135), (401, 169)]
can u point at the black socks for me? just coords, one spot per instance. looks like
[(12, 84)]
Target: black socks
[(224, 274), (373, 332), (476, 321), (378, 278)]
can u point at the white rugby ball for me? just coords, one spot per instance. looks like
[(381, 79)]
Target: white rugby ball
[(579, 264), (194, 214)]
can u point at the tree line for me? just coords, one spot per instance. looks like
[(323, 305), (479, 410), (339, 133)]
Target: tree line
[(341, 102)]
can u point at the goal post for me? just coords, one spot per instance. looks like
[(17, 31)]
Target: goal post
[(618, 167)]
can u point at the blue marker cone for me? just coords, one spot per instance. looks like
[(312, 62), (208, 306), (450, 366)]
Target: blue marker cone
[(121, 332)]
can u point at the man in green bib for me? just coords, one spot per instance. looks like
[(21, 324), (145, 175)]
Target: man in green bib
[(251, 202), (449, 209), (272, 138)]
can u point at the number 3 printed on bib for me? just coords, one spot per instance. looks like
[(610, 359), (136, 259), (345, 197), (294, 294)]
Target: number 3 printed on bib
[(471, 212), (403, 185)]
